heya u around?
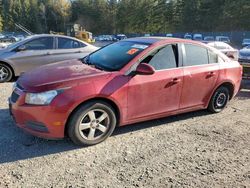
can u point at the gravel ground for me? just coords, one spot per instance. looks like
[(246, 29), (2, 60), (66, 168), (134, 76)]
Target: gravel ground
[(197, 149)]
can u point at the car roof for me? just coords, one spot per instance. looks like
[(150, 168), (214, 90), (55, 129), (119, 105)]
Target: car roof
[(55, 35), (154, 40)]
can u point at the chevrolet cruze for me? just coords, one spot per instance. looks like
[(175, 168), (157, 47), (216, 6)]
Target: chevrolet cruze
[(129, 81)]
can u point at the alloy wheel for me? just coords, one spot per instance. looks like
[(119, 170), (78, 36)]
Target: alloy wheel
[(94, 124), (4, 73)]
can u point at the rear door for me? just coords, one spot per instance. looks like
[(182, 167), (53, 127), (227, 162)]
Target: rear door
[(159, 93), (201, 71)]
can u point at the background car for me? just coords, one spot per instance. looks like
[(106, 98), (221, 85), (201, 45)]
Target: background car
[(226, 49), (121, 36), (20, 37), (197, 37), (1, 36), (223, 39), (38, 50), (169, 35), (244, 55), (208, 39), (87, 98), (188, 36), (245, 42), (244, 60)]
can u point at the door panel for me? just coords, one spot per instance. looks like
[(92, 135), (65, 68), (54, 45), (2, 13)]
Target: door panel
[(29, 59), (154, 94), (198, 84), (199, 76), (67, 54)]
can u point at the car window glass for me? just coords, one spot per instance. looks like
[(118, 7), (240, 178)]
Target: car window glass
[(195, 55), (213, 57), (44, 43), (65, 43), (165, 58)]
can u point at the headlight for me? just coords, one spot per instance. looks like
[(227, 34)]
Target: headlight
[(44, 98)]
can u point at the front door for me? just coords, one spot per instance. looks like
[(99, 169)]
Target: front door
[(35, 54), (159, 93)]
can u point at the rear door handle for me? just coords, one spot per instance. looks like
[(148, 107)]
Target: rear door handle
[(210, 74)]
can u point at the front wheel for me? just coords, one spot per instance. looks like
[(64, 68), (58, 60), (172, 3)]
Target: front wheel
[(92, 123), (219, 100)]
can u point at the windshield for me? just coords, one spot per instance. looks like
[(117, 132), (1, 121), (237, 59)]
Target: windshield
[(115, 56), (16, 44)]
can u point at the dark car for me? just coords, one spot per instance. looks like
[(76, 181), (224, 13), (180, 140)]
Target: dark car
[(244, 59), (245, 42), (129, 81), (244, 55)]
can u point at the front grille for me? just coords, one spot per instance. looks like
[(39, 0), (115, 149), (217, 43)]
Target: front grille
[(14, 97)]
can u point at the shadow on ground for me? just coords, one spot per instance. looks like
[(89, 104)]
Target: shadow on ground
[(17, 145)]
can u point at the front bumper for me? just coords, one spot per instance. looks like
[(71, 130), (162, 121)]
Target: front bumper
[(41, 121)]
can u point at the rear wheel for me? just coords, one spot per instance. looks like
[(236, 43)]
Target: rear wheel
[(219, 100), (5, 73), (92, 123)]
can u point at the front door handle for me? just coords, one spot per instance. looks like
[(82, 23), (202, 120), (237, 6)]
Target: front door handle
[(176, 80)]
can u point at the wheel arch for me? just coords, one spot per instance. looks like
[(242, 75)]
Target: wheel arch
[(101, 99), (229, 85)]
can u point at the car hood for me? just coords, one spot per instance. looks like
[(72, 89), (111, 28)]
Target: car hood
[(58, 75)]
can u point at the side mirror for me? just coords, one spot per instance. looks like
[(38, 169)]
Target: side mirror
[(21, 48), (145, 69)]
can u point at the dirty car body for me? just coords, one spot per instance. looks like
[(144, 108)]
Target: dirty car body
[(148, 78)]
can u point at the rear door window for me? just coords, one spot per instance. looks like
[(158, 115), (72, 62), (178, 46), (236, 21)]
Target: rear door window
[(65, 43), (195, 55)]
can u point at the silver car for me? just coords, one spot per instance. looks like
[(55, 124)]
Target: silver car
[(38, 50)]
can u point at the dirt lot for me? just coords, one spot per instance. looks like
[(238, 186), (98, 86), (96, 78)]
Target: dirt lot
[(192, 150)]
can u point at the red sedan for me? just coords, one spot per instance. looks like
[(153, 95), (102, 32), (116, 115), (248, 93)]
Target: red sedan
[(126, 82)]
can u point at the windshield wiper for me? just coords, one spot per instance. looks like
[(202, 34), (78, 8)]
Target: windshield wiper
[(85, 60)]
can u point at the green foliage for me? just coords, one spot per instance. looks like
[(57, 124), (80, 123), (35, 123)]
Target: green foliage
[(127, 16)]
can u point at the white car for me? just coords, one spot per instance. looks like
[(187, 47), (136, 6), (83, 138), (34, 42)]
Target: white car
[(226, 49), (223, 39)]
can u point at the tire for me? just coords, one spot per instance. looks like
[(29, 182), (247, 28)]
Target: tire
[(5, 73), (219, 100), (92, 123)]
